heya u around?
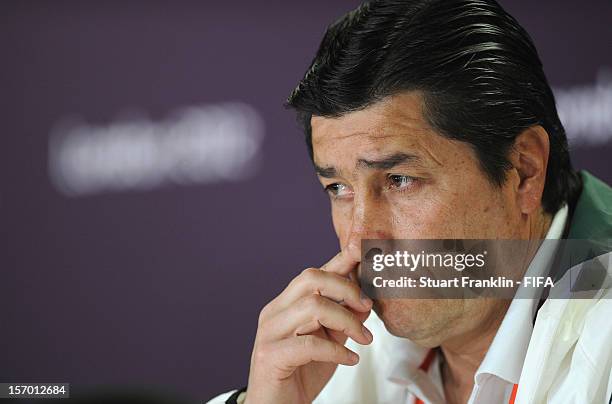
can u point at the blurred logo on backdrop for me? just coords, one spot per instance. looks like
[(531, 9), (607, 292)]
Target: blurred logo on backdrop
[(586, 110), (222, 142), (194, 145)]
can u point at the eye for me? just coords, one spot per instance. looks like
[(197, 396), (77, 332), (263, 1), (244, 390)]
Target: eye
[(400, 182), (337, 190)]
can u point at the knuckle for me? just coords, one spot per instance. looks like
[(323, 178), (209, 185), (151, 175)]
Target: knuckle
[(310, 275), (263, 314)]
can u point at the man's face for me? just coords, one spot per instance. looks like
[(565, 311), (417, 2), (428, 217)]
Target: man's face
[(391, 176)]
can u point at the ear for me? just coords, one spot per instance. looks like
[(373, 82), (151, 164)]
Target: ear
[(529, 157)]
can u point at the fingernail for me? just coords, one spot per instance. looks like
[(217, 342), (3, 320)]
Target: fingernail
[(367, 333), (365, 300), (353, 357)]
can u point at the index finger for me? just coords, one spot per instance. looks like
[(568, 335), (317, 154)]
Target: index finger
[(341, 264)]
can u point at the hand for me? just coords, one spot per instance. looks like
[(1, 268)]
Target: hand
[(301, 334)]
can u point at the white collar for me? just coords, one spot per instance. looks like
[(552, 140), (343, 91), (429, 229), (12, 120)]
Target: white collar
[(506, 354)]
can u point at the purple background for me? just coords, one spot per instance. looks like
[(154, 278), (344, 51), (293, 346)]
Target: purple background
[(163, 288)]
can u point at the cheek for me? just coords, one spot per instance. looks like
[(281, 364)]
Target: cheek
[(341, 219), (481, 210), (431, 215), (466, 210)]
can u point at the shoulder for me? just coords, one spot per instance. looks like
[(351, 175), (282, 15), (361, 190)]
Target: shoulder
[(570, 355)]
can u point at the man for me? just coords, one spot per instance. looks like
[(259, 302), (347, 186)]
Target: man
[(432, 119)]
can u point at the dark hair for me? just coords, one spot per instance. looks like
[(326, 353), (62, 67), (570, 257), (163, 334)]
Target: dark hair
[(477, 68)]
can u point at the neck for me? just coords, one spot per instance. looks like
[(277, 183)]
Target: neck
[(464, 353)]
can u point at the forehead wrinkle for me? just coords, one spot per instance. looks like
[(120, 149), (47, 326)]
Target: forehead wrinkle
[(410, 154), (433, 157), (388, 161), (404, 126), (421, 130), (412, 124), (369, 135)]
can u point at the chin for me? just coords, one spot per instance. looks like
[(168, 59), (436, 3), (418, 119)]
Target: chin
[(419, 320)]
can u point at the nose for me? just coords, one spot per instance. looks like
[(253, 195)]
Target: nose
[(353, 247), (370, 220)]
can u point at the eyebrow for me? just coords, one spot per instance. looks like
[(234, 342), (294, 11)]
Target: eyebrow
[(383, 163)]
